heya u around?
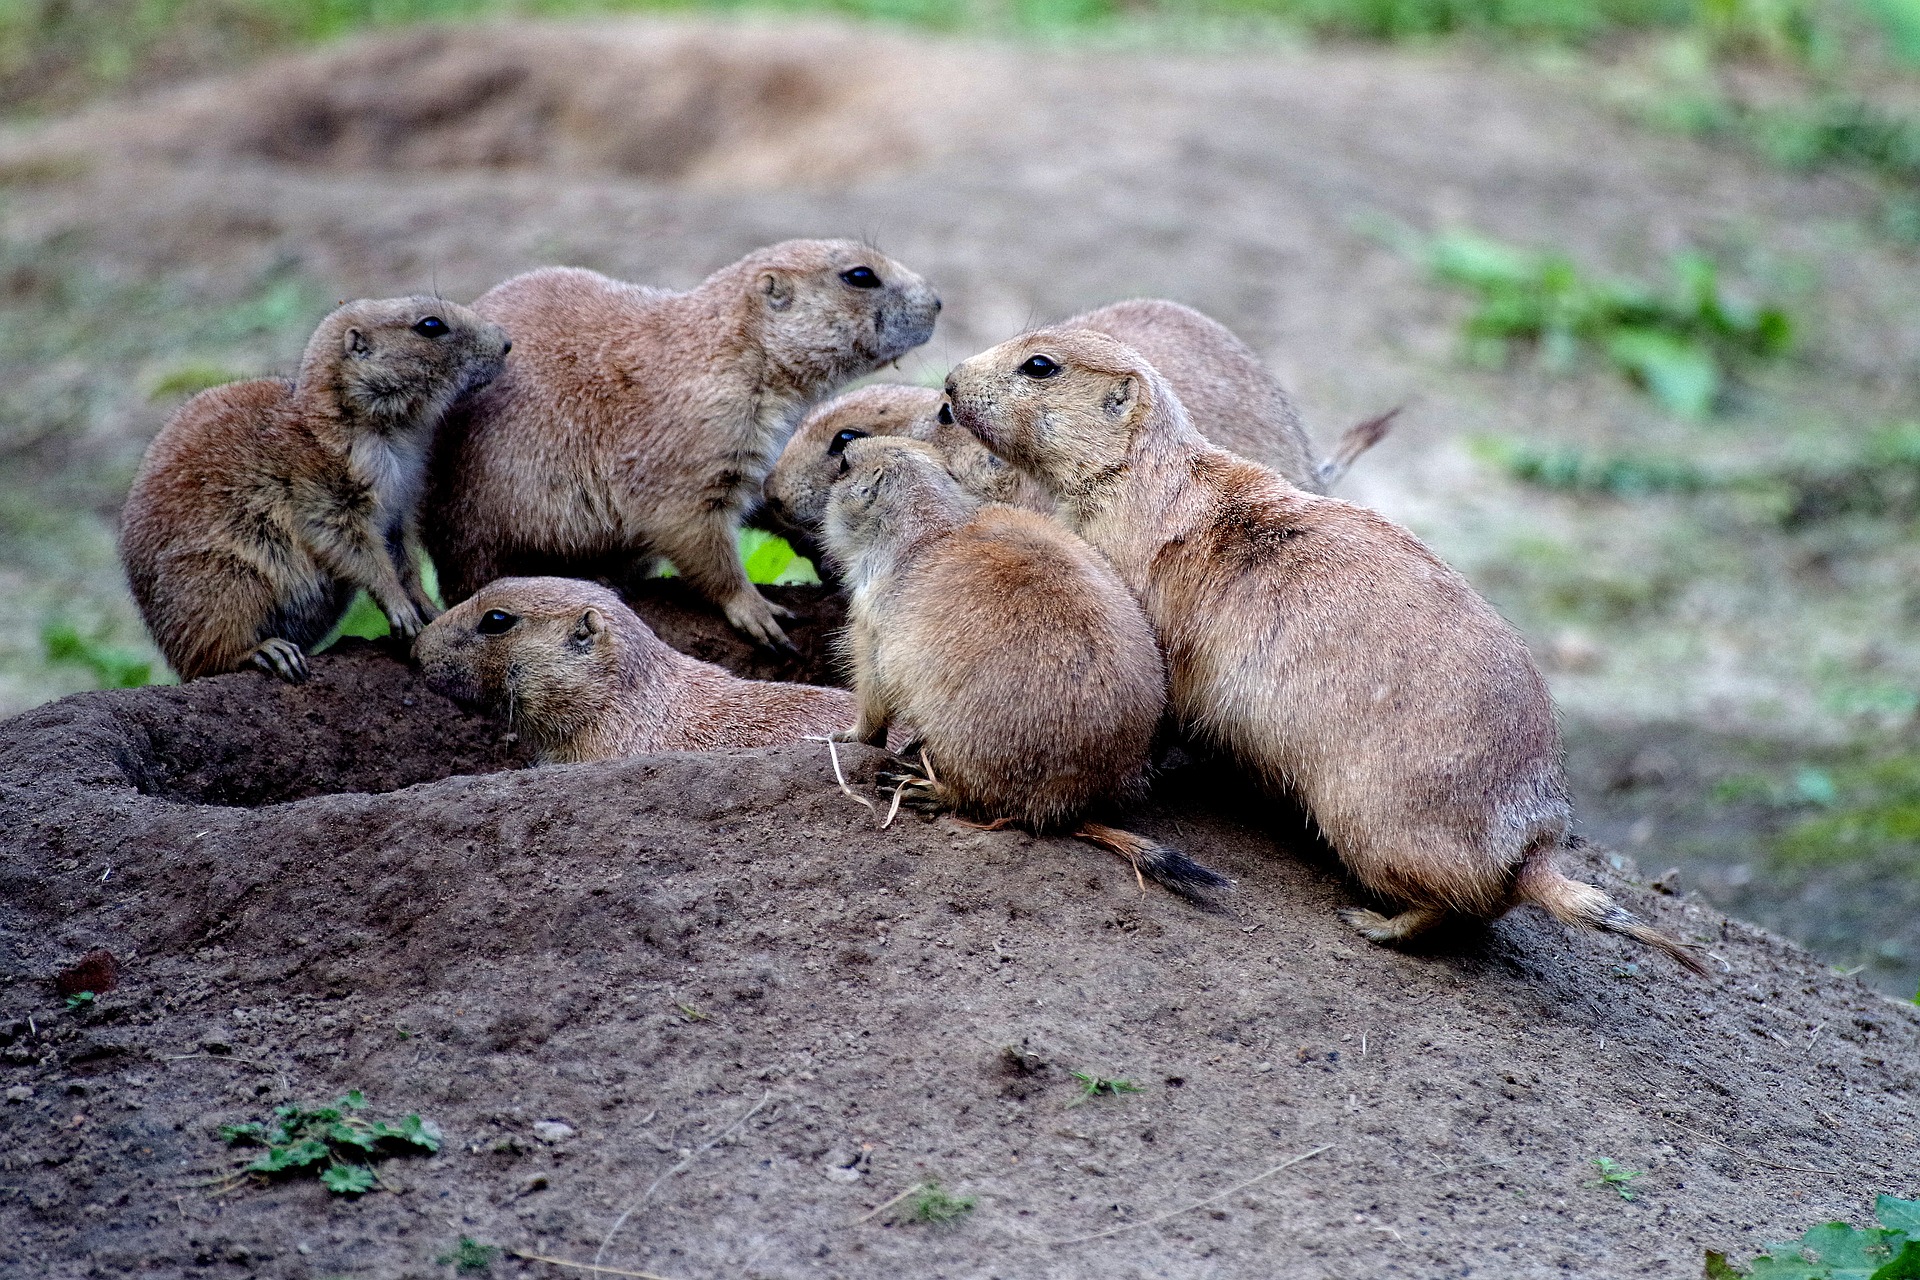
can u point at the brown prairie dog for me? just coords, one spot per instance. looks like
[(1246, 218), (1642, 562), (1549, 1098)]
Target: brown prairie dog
[(1003, 645), (572, 668), (1229, 395), (262, 506), (634, 422), (1323, 646)]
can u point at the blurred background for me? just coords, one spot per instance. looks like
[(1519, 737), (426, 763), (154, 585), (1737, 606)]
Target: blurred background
[(1642, 271)]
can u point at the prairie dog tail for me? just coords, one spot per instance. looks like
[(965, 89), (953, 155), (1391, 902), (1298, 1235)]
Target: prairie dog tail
[(1356, 440), (1574, 903), (1166, 867)]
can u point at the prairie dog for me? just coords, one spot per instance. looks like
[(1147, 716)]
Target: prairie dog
[(262, 506), (797, 487), (634, 422), (1229, 395), (572, 668), (1323, 646), (1004, 646)]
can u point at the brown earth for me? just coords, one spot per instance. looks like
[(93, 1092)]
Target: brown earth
[(759, 1017)]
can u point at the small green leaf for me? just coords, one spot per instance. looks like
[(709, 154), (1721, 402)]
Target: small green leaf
[(1679, 372), (1899, 1215), (278, 1159), (236, 1134), (353, 1101), (1905, 1264), (348, 1179)]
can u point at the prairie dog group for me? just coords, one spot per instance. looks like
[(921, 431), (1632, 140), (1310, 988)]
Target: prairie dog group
[(572, 668), (262, 506), (1006, 648), (1321, 645), (635, 423)]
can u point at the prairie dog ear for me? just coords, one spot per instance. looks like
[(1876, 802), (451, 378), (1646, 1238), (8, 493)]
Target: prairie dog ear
[(1121, 397), (589, 628), (354, 343), (778, 290)]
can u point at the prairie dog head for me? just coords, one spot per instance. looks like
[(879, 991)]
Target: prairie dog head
[(796, 489), (1068, 406), (891, 494), (827, 311), (399, 362), (548, 654)]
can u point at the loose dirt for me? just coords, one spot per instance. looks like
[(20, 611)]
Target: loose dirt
[(758, 1017)]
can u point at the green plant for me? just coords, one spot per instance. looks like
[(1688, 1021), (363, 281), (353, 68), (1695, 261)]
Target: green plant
[(1614, 1176), (936, 1206), (1574, 470), (769, 560), (1838, 1251), (333, 1142), (191, 379), (113, 667), (1677, 345), (1094, 1086), (469, 1256), (81, 1001), (1868, 809)]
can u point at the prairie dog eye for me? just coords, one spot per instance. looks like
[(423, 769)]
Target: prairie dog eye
[(495, 621), (945, 416), (1038, 367), (861, 277), (841, 439), (431, 327)]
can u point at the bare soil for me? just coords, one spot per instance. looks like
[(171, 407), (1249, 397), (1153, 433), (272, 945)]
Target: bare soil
[(760, 1017), (353, 884)]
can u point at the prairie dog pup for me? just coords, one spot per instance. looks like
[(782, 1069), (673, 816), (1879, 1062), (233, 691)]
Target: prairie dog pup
[(1004, 645), (262, 506), (1322, 645), (796, 489), (636, 422), (571, 667)]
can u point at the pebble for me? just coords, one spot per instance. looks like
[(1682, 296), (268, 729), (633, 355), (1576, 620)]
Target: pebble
[(552, 1131), (19, 1093)]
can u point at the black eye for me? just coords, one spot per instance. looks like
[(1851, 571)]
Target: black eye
[(1039, 367), (945, 415), (841, 439), (495, 621), (431, 327), (861, 277)]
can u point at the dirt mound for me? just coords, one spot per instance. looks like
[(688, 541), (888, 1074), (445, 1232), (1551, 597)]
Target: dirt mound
[(757, 1017), (729, 107)]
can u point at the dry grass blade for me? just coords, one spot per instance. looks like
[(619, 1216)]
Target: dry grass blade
[(654, 1186), (833, 754)]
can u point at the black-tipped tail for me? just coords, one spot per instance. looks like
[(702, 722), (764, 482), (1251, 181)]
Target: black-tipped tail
[(1167, 867), (1356, 440), (1581, 904)]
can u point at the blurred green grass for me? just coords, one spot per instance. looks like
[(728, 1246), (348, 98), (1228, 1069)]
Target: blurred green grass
[(55, 53)]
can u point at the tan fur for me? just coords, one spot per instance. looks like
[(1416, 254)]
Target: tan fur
[(585, 679), (1323, 646), (635, 422), (993, 636), (262, 506)]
